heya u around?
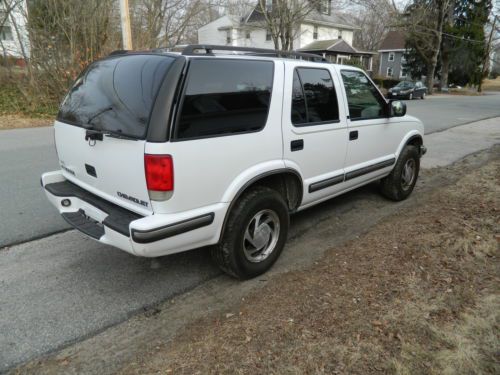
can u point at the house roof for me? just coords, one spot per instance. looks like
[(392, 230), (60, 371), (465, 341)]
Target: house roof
[(316, 17), (333, 45), (394, 40)]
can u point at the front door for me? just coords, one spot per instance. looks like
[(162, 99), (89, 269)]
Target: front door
[(314, 128), (373, 136)]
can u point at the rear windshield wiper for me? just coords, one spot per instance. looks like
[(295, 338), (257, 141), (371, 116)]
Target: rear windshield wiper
[(117, 134), (91, 118)]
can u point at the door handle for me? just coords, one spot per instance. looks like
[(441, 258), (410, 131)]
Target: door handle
[(353, 135), (297, 145)]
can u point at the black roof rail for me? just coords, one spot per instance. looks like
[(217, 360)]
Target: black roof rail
[(119, 52), (191, 50)]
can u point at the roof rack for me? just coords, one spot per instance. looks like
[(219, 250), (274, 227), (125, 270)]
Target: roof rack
[(194, 50)]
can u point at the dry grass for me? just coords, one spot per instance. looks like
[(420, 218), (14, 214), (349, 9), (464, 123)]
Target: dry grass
[(19, 121), (417, 295), (491, 84)]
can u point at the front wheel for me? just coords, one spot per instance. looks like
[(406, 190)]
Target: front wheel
[(255, 234), (400, 183), (410, 97), (423, 95)]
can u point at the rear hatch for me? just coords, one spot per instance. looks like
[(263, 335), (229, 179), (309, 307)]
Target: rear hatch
[(100, 131)]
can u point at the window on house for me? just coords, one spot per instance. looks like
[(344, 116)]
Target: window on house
[(403, 71), (225, 97), (363, 98), (247, 34), (314, 99), (391, 56), (315, 32), (228, 37), (390, 72), (340, 34), (5, 33), (269, 5), (325, 6), (268, 35)]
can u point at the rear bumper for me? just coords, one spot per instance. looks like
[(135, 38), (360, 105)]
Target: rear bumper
[(149, 236)]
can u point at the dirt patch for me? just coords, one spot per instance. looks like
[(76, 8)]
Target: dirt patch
[(417, 294), (19, 122)]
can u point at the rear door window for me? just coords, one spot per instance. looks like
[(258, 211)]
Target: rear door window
[(314, 100), (116, 94), (224, 97)]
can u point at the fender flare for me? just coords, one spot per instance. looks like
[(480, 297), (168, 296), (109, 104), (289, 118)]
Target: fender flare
[(252, 181), (415, 134)]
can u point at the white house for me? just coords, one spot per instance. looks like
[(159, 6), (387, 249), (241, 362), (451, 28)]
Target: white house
[(13, 29), (322, 32)]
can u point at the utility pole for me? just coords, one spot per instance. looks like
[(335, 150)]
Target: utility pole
[(486, 55), (125, 21)]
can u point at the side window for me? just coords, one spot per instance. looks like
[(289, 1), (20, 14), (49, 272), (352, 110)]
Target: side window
[(225, 97), (313, 97), (363, 98)]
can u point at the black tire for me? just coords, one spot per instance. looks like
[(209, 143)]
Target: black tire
[(230, 255), (396, 186), (422, 96)]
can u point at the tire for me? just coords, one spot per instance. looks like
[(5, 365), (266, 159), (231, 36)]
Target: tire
[(423, 96), (240, 239), (410, 97), (398, 185)]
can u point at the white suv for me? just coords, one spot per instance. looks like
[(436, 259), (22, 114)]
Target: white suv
[(163, 152)]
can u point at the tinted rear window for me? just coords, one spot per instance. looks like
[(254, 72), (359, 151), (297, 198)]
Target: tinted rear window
[(116, 94), (225, 97)]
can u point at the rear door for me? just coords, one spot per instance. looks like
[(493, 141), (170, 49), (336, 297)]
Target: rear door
[(314, 128), (101, 128)]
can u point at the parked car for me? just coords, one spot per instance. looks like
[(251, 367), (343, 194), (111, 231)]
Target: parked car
[(161, 152), (408, 90)]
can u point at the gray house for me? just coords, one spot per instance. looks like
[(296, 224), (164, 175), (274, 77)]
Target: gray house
[(391, 54)]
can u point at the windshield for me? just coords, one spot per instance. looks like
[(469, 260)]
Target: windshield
[(116, 94), (404, 85)]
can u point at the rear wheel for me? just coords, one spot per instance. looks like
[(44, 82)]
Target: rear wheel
[(255, 234), (400, 183), (423, 95), (410, 97)]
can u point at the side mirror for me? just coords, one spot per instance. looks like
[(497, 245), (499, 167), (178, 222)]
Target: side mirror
[(397, 108)]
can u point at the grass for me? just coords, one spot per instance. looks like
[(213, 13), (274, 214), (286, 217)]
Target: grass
[(491, 84), (418, 294), (13, 102)]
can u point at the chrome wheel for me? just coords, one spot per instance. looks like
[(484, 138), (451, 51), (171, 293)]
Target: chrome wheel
[(261, 236), (410, 97), (408, 175)]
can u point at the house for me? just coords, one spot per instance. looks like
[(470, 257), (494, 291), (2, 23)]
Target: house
[(339, 51), (391, 54), (13, 30), (320, 25)]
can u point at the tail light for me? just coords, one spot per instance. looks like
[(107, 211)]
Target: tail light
[(159, 176)]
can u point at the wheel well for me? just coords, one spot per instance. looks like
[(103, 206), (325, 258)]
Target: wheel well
[(288, 184), (416, 140)]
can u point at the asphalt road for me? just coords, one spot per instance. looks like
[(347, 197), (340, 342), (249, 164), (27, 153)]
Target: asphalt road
[(63, 288), (442, 112)]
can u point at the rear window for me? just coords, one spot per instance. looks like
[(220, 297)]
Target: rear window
[(225, 97), (116, 94)]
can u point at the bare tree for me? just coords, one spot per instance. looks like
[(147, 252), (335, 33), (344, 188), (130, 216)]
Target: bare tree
[(424, 25), (164, 23), (282, 18)]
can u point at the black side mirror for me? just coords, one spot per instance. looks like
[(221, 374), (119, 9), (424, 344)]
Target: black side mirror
[(397, 108)]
